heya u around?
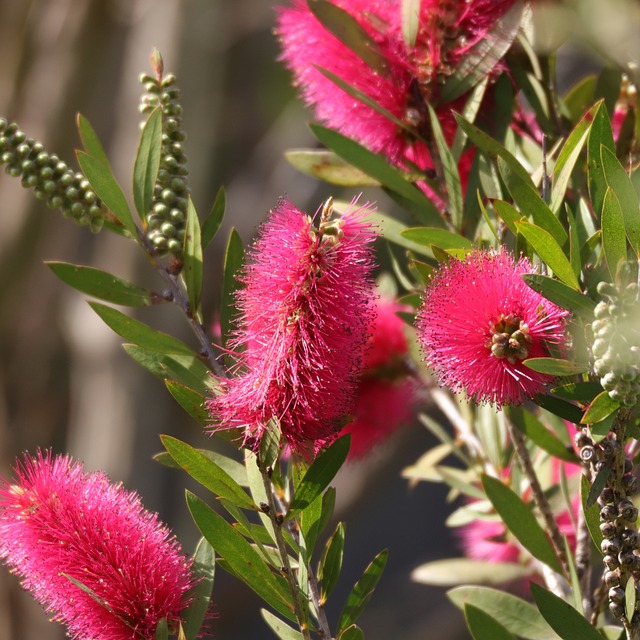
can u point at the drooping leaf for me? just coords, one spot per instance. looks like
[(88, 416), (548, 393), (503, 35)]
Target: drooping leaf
[(138, 332), (328, 166), (457, 571), (435, 236), (192, 271), (601, 407), (103, 285), (279, 627), (483, 626), (241, 557), (520, 521), (562, 617), (556, 366), (319, 475), (205, 471), (514, 614), (233, 260), (107, 189), (213, 221), (147, 162), (90, 140), (362, 591), (204, 569), (331, 562), (550, 251), (614, 242), (560, 294)]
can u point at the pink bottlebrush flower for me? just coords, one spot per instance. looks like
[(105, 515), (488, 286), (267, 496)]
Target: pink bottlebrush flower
[(386, 394), (305, 311), (57, 521), (411, 77), (479, 321)]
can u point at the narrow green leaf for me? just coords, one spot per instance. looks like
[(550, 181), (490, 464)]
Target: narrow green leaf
[(529, 424), (560, 408), (550, 251), (630, 599), (608, 86), (469, 113), (350, 32), (233, 260), (599, 483), (328, 166), (95, 597), (483, 56), (574, 244), (192, 271), (483, 626), (556, 366), (279, 627), (462, 480), (410, 21), (138, 332), (620, 183), (362, 591), (599, 134), (352, 632), (392, 231), (331, 562), (147, 162), (107, 189), (456, 571), (231, 466), (614, 243), (509, 214), (601, 407), (319, 475), (562, 617), (270, 444), (578, 99), (316, 516), (211, 225), (578, 391), (162, 630), (204, 560), (191, 401), (559, 293), (520, 521), (207, 472), (516, 615), (435, 236), (90, 140), (103, 285), (377, 167), (450, 169), (243, 559)]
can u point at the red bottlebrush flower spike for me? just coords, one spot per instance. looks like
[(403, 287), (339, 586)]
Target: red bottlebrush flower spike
[(411, 77), (479, 321), (305, 311), (58, 521)]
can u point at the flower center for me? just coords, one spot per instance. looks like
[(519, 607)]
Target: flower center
[(510, 338)]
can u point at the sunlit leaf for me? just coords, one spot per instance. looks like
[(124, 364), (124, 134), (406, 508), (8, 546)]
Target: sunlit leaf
[(410, 21), (200, 596), (435, 236), (614, 243), (560, 294), (483, 626), (328, 166), (599, 134), (556, 366), (279, 627), (147, 162), (331, 563), (192, 271), (602, 406), (90, 140), (456, 571)]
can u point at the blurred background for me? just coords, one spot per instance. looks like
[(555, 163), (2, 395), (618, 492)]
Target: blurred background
[(65, 381)]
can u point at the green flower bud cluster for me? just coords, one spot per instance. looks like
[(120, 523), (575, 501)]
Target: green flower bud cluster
[(165, 223), (616, 344), (49, 177)]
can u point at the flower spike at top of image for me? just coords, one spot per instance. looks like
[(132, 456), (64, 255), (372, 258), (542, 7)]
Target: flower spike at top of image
[(305, 312), (479, 321), (58, 523)]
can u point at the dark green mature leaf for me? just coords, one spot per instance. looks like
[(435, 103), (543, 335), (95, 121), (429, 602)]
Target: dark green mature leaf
[(147, 163), (103, 285), (562, 617), (328, 166), (211, 225), (377, 167), (316, 516), (614, 242), (231, 466), (331, 562), (620, 183), (559, 293), (350, 32), (319, 475), (107, 189), (162, 630), (550, 251), (362, 591), (493, 149), (205, 471), (435, 236), (90, 140), (601, 407), (204, 564), (192, 271), (410, 21), (483, 626), (556, 366), (560, 408), (279, 627), (352, 632), (450, 169), (578, 391), (138, 332), (455, 571), (483, 56), (233, 260), (191, 401), (516, 615), (529, 424), (599, 134), (598, 484), (241, 557), (608, 87), (520, 521), (591, 513)]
